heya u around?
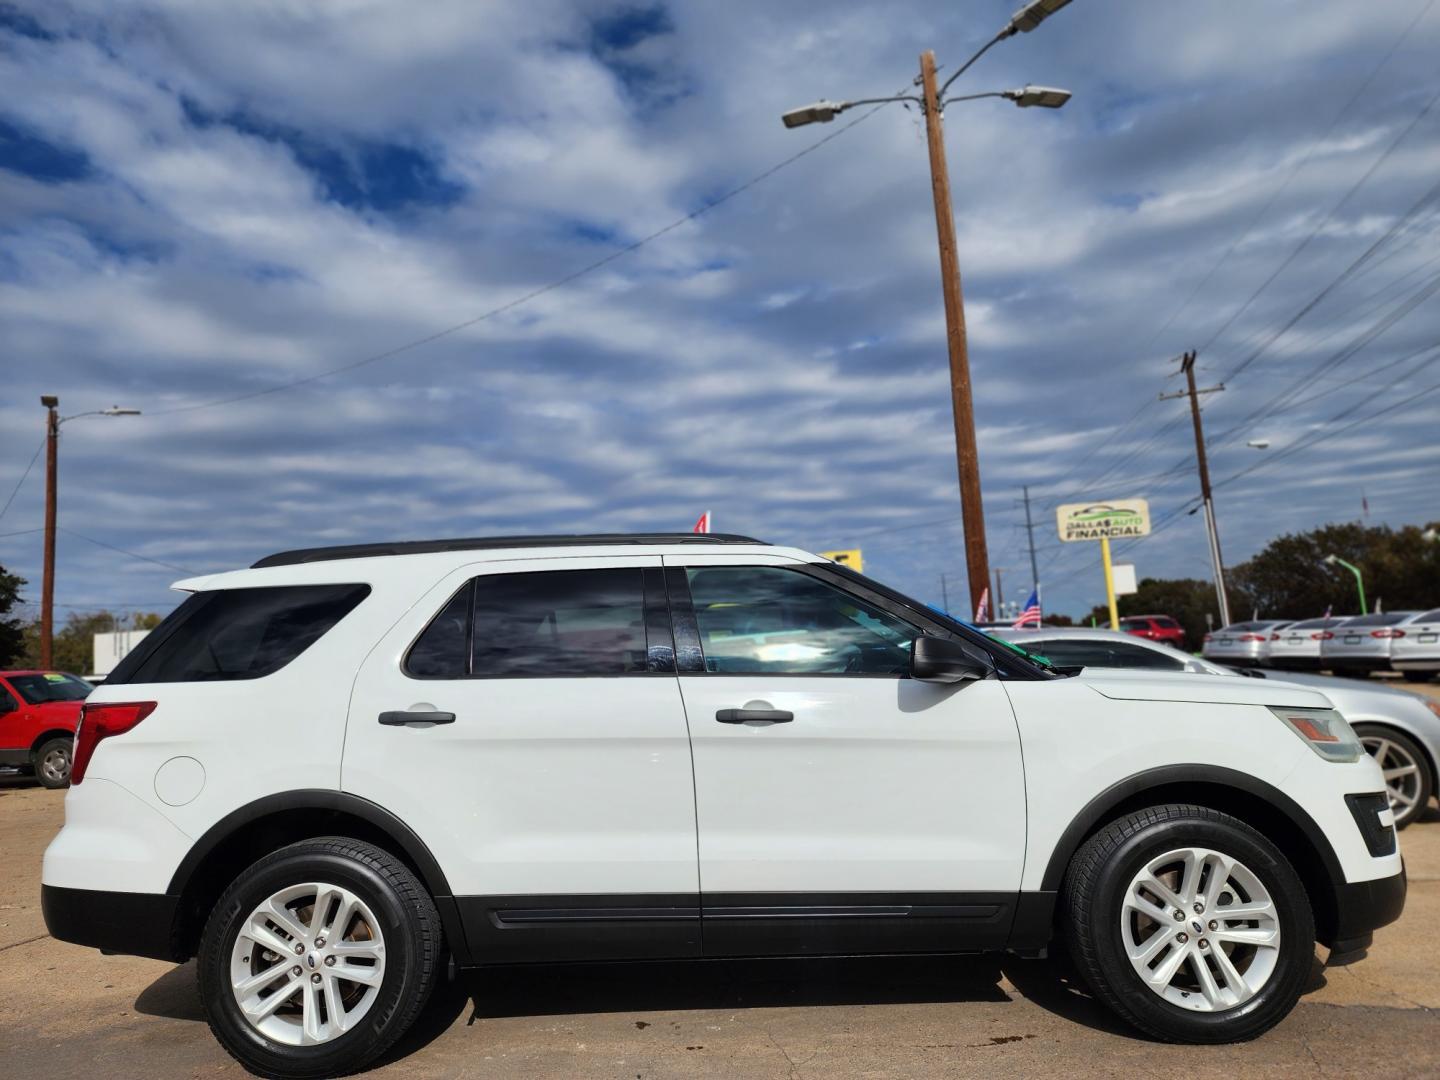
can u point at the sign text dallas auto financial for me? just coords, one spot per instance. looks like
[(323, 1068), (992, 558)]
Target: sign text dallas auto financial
[(1115, 520)]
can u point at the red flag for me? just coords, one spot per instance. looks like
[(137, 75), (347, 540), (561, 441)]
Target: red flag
[(703, 525)]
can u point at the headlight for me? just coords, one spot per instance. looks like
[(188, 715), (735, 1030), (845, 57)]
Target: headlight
[(1324, 731)]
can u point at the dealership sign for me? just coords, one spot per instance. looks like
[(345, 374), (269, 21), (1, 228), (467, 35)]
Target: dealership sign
[(1115, 520)]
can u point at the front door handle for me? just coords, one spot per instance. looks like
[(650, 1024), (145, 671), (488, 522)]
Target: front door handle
[(740, 716), (401, 718)]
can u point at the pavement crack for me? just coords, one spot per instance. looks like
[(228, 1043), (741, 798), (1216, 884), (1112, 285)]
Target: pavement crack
[(1426, 1009), (27, 941)]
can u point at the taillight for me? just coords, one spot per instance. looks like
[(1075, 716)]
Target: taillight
[(1274, 637), (100, 720), (1324, 635), (1252, 637), (1387, 633), (1208, 637)]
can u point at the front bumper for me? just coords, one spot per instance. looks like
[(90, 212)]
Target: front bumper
[(1362, 908), (135, 924)]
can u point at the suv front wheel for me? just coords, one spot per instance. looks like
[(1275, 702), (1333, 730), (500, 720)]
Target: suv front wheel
[(317, 958), (1189, 924)]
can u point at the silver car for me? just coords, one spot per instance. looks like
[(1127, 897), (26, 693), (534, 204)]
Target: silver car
[(1245, 644), (1297, 646), (1418, 652), (1400, 729), (1363, 644)]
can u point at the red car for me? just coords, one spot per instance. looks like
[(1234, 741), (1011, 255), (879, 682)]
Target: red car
[(1155, 627), (38, 714)]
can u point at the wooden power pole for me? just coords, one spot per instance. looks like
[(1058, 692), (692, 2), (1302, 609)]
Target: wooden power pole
[(47, 581), (1187, 365), (967, 456)]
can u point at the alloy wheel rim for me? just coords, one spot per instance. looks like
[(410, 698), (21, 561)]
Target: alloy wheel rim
[(1402, 773), (1200, 929), (55, 765), (307, 964)]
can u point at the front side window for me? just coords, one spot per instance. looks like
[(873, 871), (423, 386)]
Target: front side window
[(763, 620), (548, 624), (232, 634), (50, 686)]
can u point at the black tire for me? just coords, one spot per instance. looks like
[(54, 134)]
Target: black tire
[(1424, 786), (47, 755), (1096, 883), (413, 942)]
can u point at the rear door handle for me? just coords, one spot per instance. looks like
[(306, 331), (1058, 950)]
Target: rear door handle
[(740, 716), (401, 718)]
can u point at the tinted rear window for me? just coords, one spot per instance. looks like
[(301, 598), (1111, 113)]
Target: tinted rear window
[(1317, 624), (553, 623), (1430, 616), (1389, 618), (231, 634)]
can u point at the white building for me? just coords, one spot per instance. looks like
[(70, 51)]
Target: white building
[(110, 648)]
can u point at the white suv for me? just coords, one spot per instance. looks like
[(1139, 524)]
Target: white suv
[(329, 774)]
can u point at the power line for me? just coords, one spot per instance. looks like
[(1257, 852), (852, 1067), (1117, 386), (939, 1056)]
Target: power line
[(21, 482), (533, 294), (1270, 202), (132, 554), (1294, 254)]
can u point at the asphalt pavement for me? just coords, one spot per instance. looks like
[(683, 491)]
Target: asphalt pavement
[(68, 1011)]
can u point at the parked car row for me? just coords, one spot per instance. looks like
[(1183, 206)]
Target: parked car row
[(1400, 729), (1406, 641)]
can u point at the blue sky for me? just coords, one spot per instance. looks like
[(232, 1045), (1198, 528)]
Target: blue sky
[(200, 202)]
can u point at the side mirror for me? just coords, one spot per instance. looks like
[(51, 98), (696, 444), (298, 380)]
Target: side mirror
[(941, 660)]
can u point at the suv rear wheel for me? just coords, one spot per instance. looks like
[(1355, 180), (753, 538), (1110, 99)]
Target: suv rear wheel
[(317, 958), (1189, 924)]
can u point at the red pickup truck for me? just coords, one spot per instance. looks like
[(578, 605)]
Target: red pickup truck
[(38, 714)]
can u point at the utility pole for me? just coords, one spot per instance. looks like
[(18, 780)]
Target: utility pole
[(999, 594), (1187, 365), (967, 457), (1030, 532), (944, 594), (47, 580)]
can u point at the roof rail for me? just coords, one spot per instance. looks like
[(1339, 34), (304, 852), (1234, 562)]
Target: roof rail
[(491, 543)]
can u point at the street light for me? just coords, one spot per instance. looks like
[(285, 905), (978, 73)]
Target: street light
[(1333, 560), (1034, 13), (47, 585), (932, 103)]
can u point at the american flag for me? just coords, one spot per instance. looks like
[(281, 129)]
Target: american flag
[(1031, 615), (982, 610), (702, 525)]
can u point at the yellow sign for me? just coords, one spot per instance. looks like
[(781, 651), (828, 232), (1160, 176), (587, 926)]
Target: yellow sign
[(1114, 520), (846, 558)]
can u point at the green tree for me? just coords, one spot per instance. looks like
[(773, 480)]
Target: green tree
[(1187, 600), (12, 629), (74, 649), (1289, 579)]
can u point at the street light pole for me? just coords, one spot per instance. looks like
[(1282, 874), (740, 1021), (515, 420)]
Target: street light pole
[(1187, 365), (933, 102), (53, 420), (967, 454), (1359, 579), (47, 579)]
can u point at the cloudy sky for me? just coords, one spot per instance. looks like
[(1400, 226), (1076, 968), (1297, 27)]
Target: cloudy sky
[(223, 214)]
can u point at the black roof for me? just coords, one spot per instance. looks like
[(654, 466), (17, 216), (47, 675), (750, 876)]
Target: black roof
[(487, 543)]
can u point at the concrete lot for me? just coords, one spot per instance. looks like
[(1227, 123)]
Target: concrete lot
[(66, 1010)]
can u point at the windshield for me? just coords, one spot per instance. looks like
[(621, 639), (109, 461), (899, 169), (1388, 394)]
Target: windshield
[(50, 686)]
